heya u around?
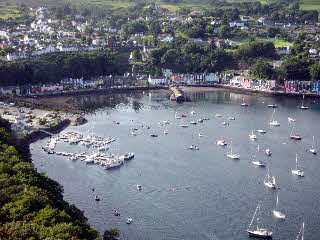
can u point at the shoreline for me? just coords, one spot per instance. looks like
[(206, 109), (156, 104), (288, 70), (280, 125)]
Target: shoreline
[(194, 88)]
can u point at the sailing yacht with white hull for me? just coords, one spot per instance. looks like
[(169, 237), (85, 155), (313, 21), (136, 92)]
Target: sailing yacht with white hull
[(233, 155), (303, 107), (276, 212), (312, 149), (297, 171), (274, 122), (270, 182)]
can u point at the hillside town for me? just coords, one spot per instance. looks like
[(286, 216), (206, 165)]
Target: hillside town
[(51, 33)]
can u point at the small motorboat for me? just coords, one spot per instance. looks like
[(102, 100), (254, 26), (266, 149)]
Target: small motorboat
[(97, 198), (182, 115), (165, 132), (200, 135), (153, 135), (272, 106), (139, 187), (291, 119), (232, 118), (221, 143), (268, 152), (193, 122), (200, 120), (304, 107), (192, 147), (116, 213), (129, 220), (206, 118), (259, 163), (50, 152), (166, 122), (295, 137), (133, 133), (218, 115), (224, 123), (183, 125), (244, 105), (192, 112), (261, 131), (116, 122)]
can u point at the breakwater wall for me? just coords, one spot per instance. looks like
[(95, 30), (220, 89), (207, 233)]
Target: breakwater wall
[(45, 132)]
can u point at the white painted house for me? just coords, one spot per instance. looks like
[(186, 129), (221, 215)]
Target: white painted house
[(154, 80)]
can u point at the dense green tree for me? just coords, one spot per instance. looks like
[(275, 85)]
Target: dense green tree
[(315, 71)]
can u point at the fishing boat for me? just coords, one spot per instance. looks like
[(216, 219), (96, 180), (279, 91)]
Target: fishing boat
[(301, 232), (231, 154), (272, 106), (302, 105), (270, 182), (192, 147), (273, 122), (129, 220), (258, 232), (291, 119), (294, 136), (312, 149), (276, 212), (262, 131), (252, 136), (139, 187), (297, 171), (221, 143)]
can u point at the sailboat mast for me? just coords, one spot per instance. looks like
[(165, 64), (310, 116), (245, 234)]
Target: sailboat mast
[(231, 147), (302, 231), (277, 202), (254, 215), (296, 161)]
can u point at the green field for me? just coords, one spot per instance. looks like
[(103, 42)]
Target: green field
[(8, 11), (310, 5)]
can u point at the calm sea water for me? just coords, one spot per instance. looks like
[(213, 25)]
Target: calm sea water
[(193, 194)]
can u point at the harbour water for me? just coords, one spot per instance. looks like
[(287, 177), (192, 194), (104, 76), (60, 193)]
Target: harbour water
[(193, 194)]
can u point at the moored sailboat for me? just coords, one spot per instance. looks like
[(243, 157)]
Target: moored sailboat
[(303, 107), (258, 232), (232, 155), (274, 122), (312, 149), (297, 171), (276, 212)]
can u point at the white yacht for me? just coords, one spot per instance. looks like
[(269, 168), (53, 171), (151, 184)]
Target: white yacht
[(276, 212), (117, 162), (127, 156), (166, 122), (221, 143), (200, 120), (258, 232), (270, 182), (272, 106), (252, 136), (291, 119), (274, 122), (297, 171), (176, 116), (312, 149), (303, 107), (244, 105), (192, 112), (231, 154), (200, 135), (133, 133)]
